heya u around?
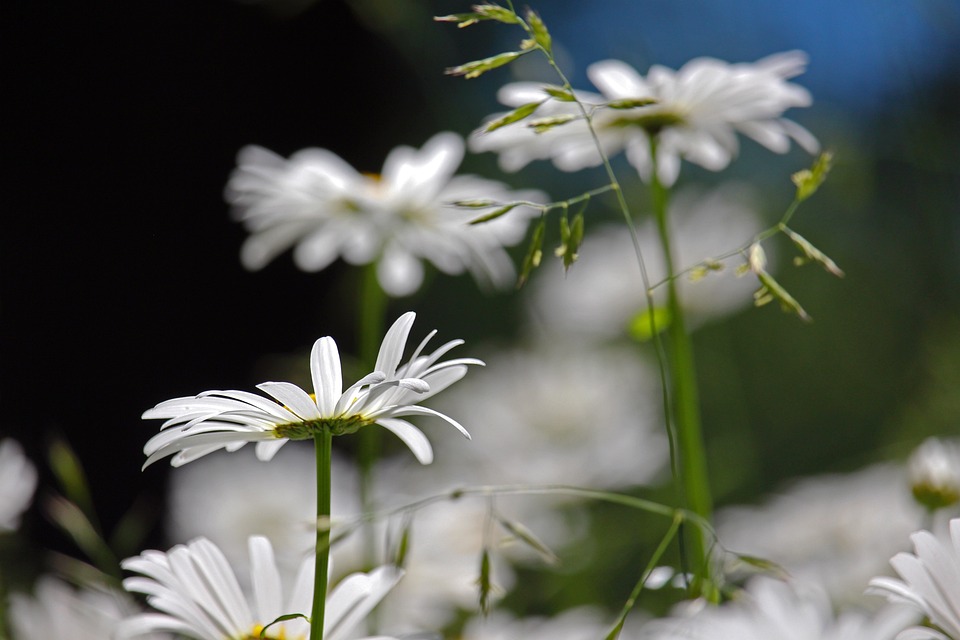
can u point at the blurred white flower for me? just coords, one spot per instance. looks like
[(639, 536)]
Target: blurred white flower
[(57, 610), (833, 530), (575, 624), (930, 582), (228, 500), (326, 209), (775, 610), (698, 111), (603, 293), (442, 567), (569, 414), (18, 481), (197, 593), (213, 420), (934, 469)]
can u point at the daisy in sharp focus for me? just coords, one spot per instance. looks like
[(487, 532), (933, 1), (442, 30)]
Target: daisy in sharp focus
[(325, 209), (696, 115), (930, 582), (198, 595), (197, 425)]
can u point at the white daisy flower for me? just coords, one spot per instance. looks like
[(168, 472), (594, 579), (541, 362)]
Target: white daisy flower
[(573, 624), (930, 582), (556, 415), (697, 113), (834, 530), (57, 610), (772, 609), (196, 426), (325, 209), (197, 594), (18, 481)]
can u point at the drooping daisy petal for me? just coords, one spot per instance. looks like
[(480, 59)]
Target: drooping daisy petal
[(415, 440)]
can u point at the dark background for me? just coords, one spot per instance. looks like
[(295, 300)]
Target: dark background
[(121, 285)]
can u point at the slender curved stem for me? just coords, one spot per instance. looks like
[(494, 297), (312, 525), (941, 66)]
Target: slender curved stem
[(323, 442), (686, 400)]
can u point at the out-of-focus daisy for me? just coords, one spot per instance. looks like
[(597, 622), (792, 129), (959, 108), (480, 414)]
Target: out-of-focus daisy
[(934, 469), (696, 115), (832, 530), (228, 500), (773, 609), (579, 415), (575, 624), (213, 420), (930, 581), (603, 294), (57, 610), (325, 209), (18, 481), (197, 594)]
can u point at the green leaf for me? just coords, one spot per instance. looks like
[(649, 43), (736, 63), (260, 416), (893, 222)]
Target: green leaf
[(767, 566), (631, 103), (559, 93), (539, 30), (534, 252), (540, 125), (403, 547), (84, 533), (516, 115), (68, 470), (812, 253), (640, 329), (809, 180), (496, 213), (477, 68)]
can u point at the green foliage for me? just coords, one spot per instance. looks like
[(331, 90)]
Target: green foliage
[(476, 68), (534, 252), (541, 125), (809, 180)]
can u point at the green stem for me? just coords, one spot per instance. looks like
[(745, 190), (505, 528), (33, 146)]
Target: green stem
[(323, 442), (686, 401), (373, 303)]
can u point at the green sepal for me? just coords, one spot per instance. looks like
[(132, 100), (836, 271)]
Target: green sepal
[(525, 535), (571, 237), (477, 68), (539, 30), (283, 618), (534, 252), (770, 289), (812, 253), (630, 103), (541, 125), (516, 115), (496, 213), (809, 180), (640, 328), (484, 583), (559, 93)]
